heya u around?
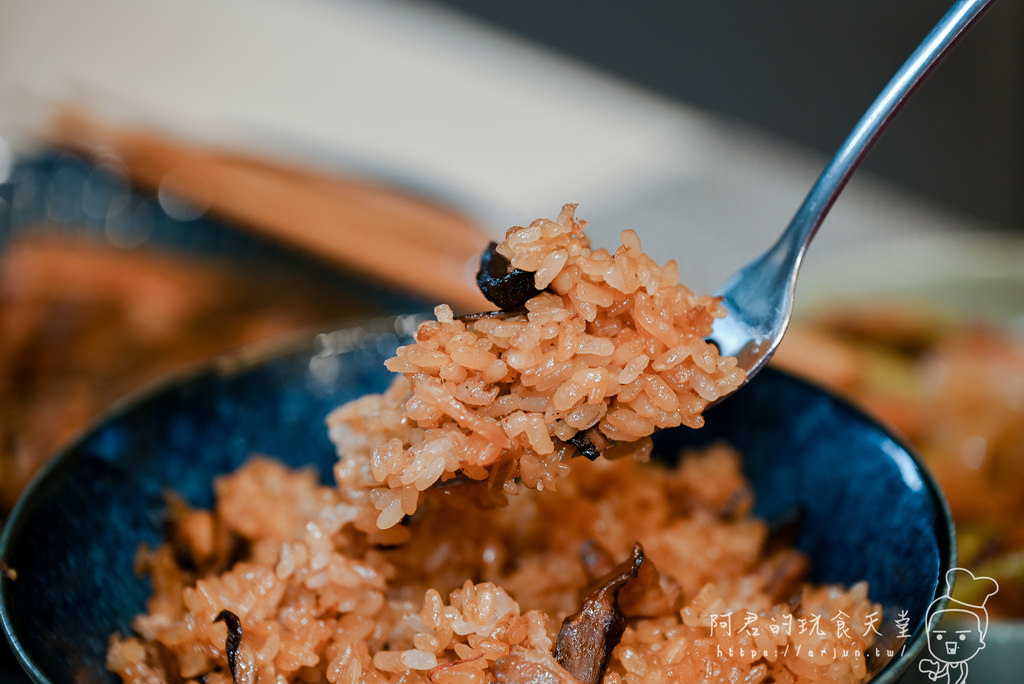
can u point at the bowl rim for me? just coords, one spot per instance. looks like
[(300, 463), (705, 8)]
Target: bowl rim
[(327, 341)]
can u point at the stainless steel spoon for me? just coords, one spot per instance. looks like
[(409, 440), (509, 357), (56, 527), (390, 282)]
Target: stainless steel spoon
[(759, 298)]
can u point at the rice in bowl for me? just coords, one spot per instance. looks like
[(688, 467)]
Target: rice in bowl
[(472, 592), (398, 575)]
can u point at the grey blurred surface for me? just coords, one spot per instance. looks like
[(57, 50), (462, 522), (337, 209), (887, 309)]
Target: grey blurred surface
[(806, 70)]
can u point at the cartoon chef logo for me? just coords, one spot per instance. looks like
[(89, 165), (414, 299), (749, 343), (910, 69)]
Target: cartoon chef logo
[(956, 633)]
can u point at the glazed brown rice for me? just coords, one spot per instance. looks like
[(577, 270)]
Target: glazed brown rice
[(327, 586)]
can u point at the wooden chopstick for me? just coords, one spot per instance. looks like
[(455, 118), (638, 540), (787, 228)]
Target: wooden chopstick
[(407, 241)]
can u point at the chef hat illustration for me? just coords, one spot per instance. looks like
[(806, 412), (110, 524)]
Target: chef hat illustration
[(974, 593)]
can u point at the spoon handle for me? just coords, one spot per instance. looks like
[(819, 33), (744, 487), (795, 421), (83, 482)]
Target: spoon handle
[(919, 65)]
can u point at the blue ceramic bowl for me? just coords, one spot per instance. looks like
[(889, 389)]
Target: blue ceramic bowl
[(870, 511)]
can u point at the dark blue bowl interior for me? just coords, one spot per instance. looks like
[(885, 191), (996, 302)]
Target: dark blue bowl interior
[(869, 511)]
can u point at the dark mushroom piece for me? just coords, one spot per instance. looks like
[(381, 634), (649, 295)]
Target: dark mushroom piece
[(651, 593), (233, 641), (587, 638), (590, 443), (507, 287)]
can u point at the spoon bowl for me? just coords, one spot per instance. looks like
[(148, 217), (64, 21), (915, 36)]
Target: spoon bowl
[(870, 511)]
